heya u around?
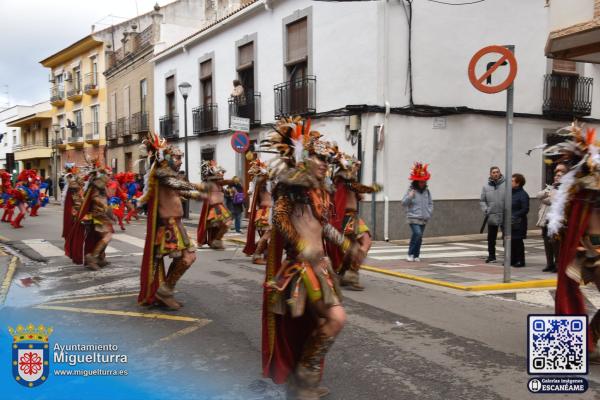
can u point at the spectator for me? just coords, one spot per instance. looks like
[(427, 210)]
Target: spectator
[(238, 92), (61, 183), (418, 205), (520, 208), (546, 196), (492, 205), (48, 182), (237, 203)]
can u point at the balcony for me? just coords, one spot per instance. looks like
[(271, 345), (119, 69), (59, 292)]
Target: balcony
[(74, 94), (123, 127), (91, 132), (296, 97), (169, 126), (205, 119), (59, 143), (90, 84), (567, 96), (111, 131), (32, 150), (75, 141), (57, 96), (247, 106), (139, 122)]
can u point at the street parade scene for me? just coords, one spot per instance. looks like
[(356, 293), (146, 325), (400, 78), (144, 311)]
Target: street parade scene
[(300, 199)]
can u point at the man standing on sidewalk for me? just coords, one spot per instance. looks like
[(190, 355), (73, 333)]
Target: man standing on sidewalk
[(492, 205)]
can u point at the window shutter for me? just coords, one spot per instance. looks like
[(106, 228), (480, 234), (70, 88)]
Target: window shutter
[(206, 69), (170, 86), (246, 54), (297, 40)]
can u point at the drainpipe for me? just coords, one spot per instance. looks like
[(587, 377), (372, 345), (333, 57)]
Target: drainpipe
[(374, 168)]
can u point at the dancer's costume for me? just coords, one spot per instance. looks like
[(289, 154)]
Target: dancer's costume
[(72, 198), (165, 235), (260, 213), (92, 232), (7, 199), (133, 195), (117, 197), (23, 194), (348, 193), (215, 218), (574, 216), (294, 343), (40, 196)]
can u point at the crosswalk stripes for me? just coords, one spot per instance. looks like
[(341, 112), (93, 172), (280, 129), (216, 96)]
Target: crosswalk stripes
[(49, 249), (431, 251)]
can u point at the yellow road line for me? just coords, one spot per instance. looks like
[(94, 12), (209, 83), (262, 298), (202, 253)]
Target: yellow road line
[(82, 299), (12, 266), (118, 313), (184, 331), (475, 288)]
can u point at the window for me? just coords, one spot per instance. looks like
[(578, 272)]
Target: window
[(143, 95), (207, 154), (77, 79), (297, 42), (128, 162), (94, 109), (126, 102), (246, 66), (113, 106), (170, 93), (76, 130), (206, 86)]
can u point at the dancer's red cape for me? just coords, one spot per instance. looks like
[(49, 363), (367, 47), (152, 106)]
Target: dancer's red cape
[(250, 247), (201, 235), (82, 240), (150, 274), (67, 221), (283, 337), (569, 299), (336, 220)]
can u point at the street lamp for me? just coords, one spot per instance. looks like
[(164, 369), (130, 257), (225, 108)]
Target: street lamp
[(184, 89), (55, 156)]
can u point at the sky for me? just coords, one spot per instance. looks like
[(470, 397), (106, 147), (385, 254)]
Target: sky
[(31, 30)]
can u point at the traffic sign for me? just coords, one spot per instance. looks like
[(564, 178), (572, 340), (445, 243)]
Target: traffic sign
[(239, 124), (240, 142), (483, 82)]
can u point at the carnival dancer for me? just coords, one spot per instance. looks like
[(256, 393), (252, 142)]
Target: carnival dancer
[(215, 218), (348, 192), (117, 197), (166, 235), (23, 195), (7, 199), (132, 189), (93, 229), (302, 311), (574, 216), (71, 198), (260, 207)]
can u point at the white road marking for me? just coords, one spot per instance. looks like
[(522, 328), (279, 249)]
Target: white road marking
[(405, 249), (132, 240), (44, 247), (478, 246), (541, 297), (593, 296), (436, 255)]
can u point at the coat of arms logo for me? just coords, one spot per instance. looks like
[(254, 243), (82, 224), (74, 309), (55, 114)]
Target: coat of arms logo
[(30, 354)]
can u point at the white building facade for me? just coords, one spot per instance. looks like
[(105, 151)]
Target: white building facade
[(10, 135), (353, 58)]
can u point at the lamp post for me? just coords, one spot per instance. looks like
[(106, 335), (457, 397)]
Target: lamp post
[(55, 156), (184, 89)]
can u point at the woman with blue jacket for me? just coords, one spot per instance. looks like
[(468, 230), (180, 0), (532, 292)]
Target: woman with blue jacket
[(418, 205)]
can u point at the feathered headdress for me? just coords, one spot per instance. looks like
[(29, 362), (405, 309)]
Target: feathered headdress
[(294, 141), (419, 172), (580, 152), (210, 170), (345, 165), (258, 168)]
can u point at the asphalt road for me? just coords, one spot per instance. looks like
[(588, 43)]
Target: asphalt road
[(403, 340)]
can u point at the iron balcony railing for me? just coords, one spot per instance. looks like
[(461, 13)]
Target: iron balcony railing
[(75, 89), (75, 139), (246, 106), (297, 97), (139, 122), (123, 127), (57, 93), (29, 146), (567, 95), (91, 130), (90, 81), (205, 119), (111, 131), (169, 126), (58, 141)]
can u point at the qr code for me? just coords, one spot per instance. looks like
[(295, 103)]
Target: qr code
[(557, 344)]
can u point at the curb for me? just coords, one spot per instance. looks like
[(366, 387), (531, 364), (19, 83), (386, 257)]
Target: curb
[(543, 283), (12, 266)]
